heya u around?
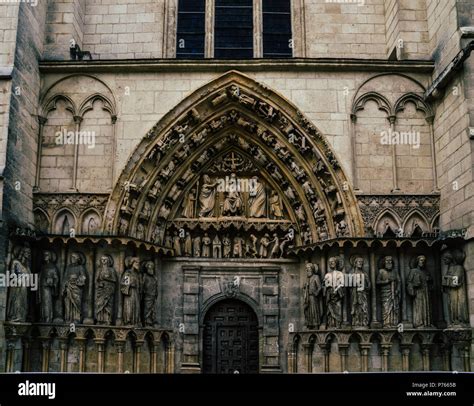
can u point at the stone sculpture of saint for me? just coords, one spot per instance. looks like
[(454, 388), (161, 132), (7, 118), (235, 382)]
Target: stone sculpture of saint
[(257, 200), (197, 246), (418, 287), (264, 243), (177, 244), (92, 226), (275, 206), (311, 292), (206, 246), (360, 288), (227, 246), (105, 287), (251, 247), (454, 283), (274, 253), (188, 245), (150, 294), (130, 288), (333, 287), (17, 304), (207, 197), (49, 287), (233, 203), (389, 284), (75, 278), (238, 246), (189, 202)]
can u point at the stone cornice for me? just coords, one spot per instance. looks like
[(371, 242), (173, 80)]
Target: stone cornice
[(215, 65)]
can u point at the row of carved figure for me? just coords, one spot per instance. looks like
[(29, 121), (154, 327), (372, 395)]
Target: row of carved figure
[(184, 244), (63, 299), (233, 200), (323, 297)]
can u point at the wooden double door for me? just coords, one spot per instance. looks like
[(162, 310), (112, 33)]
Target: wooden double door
[(230, 340)]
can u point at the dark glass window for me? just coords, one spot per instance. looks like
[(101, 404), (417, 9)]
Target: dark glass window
[(233, 29), (277, 42), (191, 31)]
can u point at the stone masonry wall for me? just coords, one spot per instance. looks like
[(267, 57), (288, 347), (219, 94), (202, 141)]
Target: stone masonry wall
[(407, 28), (22, 130), (64, 22), (337, 30), (124, 29), (143, 99)]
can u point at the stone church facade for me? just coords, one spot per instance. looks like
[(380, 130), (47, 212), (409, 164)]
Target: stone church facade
[(307, 209)]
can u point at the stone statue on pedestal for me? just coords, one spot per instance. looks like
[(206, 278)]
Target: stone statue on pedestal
[(454, 283), (360, 288), (227, 246), (206, 246), (207, 198), (150, 294), (75, 278), (130, 287), (418, 287), (333, 293), (311, 292), (17, 304), (389, 283), (49, 287), (105, 287)]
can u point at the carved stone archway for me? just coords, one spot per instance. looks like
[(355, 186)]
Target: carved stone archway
[(234, 125)]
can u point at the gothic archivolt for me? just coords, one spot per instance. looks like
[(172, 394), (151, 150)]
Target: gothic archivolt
[(233, 131)]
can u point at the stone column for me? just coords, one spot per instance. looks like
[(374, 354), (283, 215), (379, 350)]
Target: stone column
[(343, 349), (89, 307), (81, 343), (466, 358), (401, 272), (114, 150), (45, 356), (406, 357), (325, 350), (26, 356), (136, 356), (396, 189), (364, 350), (308, 351), (446, 354), (77, 121), (430, 121), (120, 346), (63, 360), (170, 359), (153, 355), (39, 151), (385, 354), (375, 323), (425, 349), (10, 356), (120, 270), (355, 173), (100, 354), (291, 356)]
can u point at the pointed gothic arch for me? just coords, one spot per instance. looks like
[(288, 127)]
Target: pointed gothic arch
[(234, 115)]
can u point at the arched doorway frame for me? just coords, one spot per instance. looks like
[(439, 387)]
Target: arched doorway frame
[(219, 299), (254, 108)]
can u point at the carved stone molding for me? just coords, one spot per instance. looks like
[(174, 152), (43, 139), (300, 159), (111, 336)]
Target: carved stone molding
[(400, 208), (48, 207)]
